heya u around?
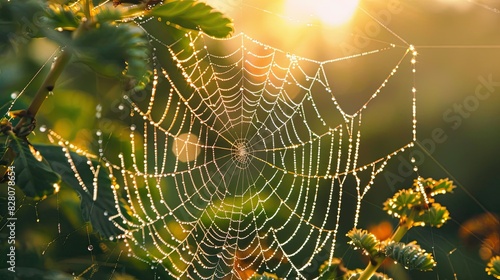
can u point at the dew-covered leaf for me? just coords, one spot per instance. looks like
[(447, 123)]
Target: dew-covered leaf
[(411, 256), (435, 216), (194, 15), (92, 183), (364, 240), (34, 175), (112, 50)]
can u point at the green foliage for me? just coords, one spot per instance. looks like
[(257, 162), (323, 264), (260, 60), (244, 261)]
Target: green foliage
[(194, 15), (364, 240), (96, 209), (402, 203), (111, 43), (112, 49), (108, 42), (61, 17), (411, 256), (19, 23), (107, 46), (433, 187), (34, 174), (417, 205), (414, 207), (435, 216), (334, 269), (102, 40), (493, 267)]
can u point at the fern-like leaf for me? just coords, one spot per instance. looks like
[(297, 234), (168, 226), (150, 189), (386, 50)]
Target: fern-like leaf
[(435, 216), (402, 203), (434, 187), (364, 240), (411, 256)]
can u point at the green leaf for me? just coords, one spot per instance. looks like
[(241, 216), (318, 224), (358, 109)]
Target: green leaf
[(19, 23), (402, 203), (493, 267), (435, 216), (63, 17), (411, 256), (7, 157), (433, 187), (105, 14), (194, 15), (92, 183), (33, 173), (113, 50), (364, 240)]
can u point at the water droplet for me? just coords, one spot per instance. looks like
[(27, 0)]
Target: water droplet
[(14, 95), (105, 213), (37, 220), (412, 160), (90, 247), (43, 128)]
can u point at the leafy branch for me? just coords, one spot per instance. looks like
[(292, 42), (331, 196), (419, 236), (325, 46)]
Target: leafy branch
[(106, 39), (413, 207)]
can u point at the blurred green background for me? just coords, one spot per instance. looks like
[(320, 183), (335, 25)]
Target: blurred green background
[(459, 48)]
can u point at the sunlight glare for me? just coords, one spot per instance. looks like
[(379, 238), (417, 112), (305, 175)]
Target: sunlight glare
[(331, 12)]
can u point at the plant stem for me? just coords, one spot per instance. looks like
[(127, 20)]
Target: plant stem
[(43, 91), (48, 85), (376, 262), (370, 269), (400, 232)]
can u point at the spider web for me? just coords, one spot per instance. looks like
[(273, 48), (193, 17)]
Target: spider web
[(244, 158), (239, 160)]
